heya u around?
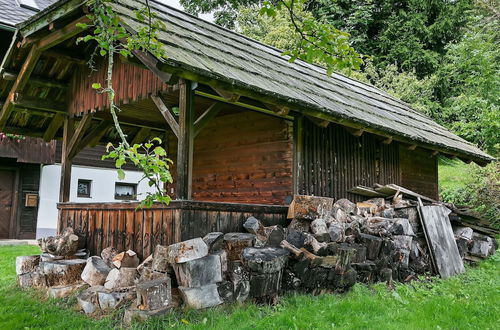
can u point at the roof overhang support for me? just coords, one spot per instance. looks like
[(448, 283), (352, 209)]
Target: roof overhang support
[(185, 144), (36, 81), (54, 126), (387, 140), (36, 50), (354, 131), (319, 122), (206, 117), (167, 114), (74, 145)]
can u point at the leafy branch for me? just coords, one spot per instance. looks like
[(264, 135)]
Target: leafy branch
[(112, 38)]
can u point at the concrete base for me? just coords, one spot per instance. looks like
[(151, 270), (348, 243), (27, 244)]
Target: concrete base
[(5, 242)]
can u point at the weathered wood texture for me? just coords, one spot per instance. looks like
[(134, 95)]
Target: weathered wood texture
[(419, 172), (441, 240), (334, 161), (28, 150), (130, 82), (122, 226), (245, 158)]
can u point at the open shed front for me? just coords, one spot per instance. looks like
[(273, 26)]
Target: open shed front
[(246, 129)]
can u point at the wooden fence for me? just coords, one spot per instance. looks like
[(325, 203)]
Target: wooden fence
[(123, 226)]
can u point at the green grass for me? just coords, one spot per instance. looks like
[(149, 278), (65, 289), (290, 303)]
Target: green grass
[(467, 301), (452, 173)]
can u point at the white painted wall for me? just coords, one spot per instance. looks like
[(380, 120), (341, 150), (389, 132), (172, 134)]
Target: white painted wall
[(102, 190)]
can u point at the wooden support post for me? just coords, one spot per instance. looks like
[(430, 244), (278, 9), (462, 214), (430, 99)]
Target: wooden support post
[(298, 146), (185, 141), (69, 127)]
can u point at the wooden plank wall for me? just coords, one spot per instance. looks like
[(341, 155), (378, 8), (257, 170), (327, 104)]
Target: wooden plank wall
[(29, 182), (244, 157), (419, 171), (334, 161), (131, 83), (122, 226), (28, 150)]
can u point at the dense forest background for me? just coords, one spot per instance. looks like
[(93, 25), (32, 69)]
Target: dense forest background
[(440, 56)]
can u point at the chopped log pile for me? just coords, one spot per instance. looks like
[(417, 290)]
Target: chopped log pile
[(328, 246)]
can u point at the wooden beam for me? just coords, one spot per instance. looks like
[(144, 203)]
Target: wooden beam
[(66, 162), (35, 81), (206, 117), (141, 135), (82, 127), (66, 55), (411, 147), (388, 140), (319, 122), (167, 114), (279, 109), (298, 149), (227, 95), (94, 134), (435, 153), (465, 160), (30, 102), (19, 84), (354, 131), (185, 141), (54, 126), (129, 121)]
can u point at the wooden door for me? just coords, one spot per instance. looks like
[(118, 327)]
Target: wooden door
[(7, 179)]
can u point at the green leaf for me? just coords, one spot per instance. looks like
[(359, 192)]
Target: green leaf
[(121, 174), (96, 86)]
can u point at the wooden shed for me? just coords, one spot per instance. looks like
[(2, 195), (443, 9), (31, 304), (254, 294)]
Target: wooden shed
[(251, 129)]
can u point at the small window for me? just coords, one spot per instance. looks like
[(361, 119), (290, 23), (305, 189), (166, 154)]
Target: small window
[(83, 189), (126, 191)]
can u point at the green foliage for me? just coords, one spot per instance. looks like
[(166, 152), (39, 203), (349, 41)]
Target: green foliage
[(112, 38), (151, 158), (471, 185), (469, 300)]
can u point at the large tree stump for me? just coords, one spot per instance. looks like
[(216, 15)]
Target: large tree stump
[(63, 272), (27, 264), (65, 244), (155, 294), (95, 272)]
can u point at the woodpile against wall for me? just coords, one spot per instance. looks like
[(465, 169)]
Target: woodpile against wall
[(328, 246)]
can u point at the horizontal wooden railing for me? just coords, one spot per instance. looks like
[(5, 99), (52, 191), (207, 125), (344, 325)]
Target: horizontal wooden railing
[(124, 226)]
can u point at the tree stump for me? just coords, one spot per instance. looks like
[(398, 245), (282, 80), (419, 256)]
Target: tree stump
[(63, 272), (95, 271), (265, 260)]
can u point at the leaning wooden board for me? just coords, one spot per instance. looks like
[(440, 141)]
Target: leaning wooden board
[(441, 240)]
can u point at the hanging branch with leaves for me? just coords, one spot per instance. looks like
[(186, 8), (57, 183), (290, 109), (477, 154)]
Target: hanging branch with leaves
[(113, 39)]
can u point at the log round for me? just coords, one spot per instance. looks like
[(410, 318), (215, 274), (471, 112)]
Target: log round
[(95, 271), (63, 272)]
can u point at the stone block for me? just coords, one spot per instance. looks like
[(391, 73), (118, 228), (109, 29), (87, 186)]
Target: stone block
[(199, 272), (200, 297)]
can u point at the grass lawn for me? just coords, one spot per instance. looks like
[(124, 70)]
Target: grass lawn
[(452, 173), (471, 300)]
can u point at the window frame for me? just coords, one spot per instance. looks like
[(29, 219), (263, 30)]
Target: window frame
[(89, 182), (126, 198)]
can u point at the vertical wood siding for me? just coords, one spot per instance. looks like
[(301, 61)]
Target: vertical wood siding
[(243, 158), (122, 226), (131, 83), (419, 171), (335, 161)]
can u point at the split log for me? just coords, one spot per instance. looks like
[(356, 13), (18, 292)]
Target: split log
[(95, 271), (222, 254), (290, 247), (265, 260), (126, 259), (236, 243), (145, 264), (27, 264), (186, 251), (120, 278), (214, 241), (296, 238), (63, 291), (336, 232), (312, 207), (63, 272), (254, 226), (201, 297), (108, 254), (239, 276), (345, 205), (401, 226), (155, 294), (275, 234), (312, 244), (377, 226), (87, 300), (65, 244), (199, 272), (318, 227), (160, 259), (226, 291), (373, 245), (113, 300)]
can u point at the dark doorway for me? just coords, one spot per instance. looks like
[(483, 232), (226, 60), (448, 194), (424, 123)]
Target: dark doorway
[(7, 181)]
